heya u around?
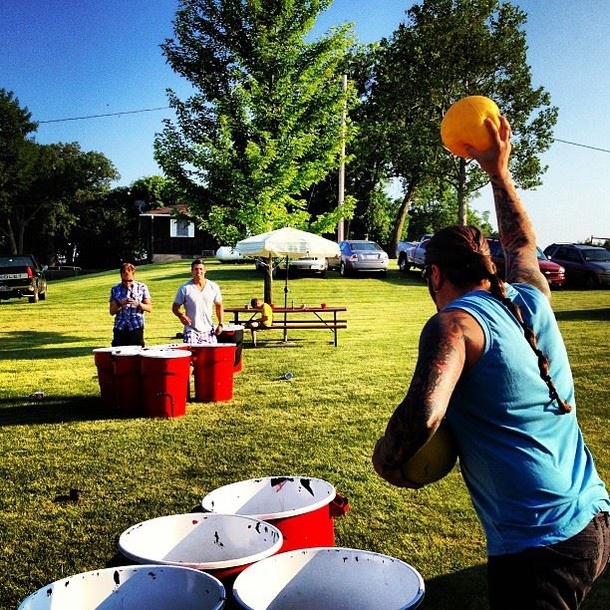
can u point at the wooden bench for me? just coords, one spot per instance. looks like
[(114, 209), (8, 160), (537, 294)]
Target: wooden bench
[(299, 318), (332, 325)]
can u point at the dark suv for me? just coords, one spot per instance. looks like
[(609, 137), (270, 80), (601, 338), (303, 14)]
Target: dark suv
[(22, 276), (554, 273), (585, 265)]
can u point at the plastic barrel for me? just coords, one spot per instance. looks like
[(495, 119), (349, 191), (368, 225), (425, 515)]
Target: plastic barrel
[(337, 578), (302, 508), (213, 369), (153, 587), (234, 333), (165, 377), (104, 362), (127, 380)]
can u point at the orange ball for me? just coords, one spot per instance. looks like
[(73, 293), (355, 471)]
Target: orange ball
[(464, 123)]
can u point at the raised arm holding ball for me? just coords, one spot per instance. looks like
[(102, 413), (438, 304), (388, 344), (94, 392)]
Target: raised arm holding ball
[(493, 370)]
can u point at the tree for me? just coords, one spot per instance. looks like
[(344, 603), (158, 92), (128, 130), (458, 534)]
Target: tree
[(446, 50), (56, 182), (16, 148), (434, 209), (42, 187), (264, 121)]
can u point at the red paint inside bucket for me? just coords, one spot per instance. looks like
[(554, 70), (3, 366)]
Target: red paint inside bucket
[(165, 378), (213, 369)]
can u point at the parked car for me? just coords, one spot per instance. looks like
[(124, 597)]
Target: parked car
[(412, 254), (361, 255), (315, 265), (553, 272), (22, 276), (585, 265)]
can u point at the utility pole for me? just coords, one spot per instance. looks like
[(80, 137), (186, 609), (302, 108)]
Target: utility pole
[(341, 197)]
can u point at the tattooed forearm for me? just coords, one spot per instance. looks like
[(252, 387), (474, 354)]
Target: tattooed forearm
[(440, 364), (517, 235)]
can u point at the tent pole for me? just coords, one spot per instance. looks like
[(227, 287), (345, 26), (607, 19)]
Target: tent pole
[(286, 302)]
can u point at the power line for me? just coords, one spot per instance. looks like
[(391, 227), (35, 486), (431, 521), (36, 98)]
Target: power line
[(582, 145), (98, 116), (109, 114)]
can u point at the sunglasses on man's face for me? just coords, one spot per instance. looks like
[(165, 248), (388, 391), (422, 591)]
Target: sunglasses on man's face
[(426, 272)]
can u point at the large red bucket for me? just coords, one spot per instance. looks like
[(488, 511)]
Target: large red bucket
[(127, 380), (213, 368), (234, 333), (104, 362), (165, 379), (301, 508)]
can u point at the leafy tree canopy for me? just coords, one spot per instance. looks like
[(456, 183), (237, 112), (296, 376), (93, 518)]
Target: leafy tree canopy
[(446, 50), (264, 121)]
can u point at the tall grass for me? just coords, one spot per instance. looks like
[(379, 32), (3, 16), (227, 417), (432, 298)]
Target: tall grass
[(322, 423)]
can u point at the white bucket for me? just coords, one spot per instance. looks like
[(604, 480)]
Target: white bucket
[(301, 507), (329, 577), (217, 543), (152, 587), (270, 497)]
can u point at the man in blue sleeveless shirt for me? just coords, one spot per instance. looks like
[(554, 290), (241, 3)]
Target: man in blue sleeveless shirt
[(493, 365)]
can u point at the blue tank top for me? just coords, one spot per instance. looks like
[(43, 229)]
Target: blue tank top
[(530, 475)]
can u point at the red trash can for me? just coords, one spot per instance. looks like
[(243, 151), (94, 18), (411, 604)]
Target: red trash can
[(213, 369), (165, 380), (127, 380), (234, 333), (104, 362), (302, 508)]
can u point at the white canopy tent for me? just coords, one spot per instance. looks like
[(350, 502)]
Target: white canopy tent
[(287, 243)]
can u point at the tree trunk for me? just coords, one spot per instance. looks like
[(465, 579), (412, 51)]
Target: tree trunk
[(461, 194), (401, 219)]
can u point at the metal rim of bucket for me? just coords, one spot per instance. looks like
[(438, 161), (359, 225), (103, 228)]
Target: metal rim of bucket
[(210, 345), (271, 566), (166, 353), (104, 350), (126, 546), (209, 501), (42, 598), (164, 346)]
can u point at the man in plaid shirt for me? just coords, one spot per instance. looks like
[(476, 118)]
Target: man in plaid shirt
[(128, 302)]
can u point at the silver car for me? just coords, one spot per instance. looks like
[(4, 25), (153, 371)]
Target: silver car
[(308, 265), (362, 255)]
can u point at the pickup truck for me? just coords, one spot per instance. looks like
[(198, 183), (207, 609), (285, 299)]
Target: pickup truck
[(412, 253), (22, 276)]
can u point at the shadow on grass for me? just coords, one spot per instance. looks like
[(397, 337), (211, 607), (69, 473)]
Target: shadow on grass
[(583, 314), (54, 411), (23, 345), (468, 589), (463, 589)]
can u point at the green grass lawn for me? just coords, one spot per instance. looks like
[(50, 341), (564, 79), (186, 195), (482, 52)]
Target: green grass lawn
[(323, 423)]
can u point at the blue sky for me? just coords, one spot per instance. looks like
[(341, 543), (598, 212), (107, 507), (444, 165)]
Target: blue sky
[(66, 59)]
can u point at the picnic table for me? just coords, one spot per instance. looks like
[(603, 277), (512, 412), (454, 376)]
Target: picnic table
[(299, 317)]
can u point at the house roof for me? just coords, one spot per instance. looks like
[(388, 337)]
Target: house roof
[(168, 211)]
